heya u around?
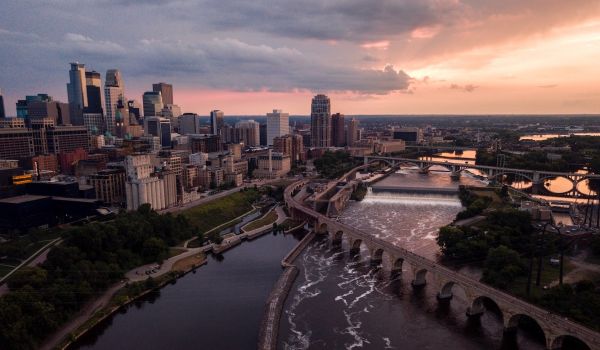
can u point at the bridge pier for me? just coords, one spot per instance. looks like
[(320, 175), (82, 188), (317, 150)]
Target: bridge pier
[(419, 280), (424, 170), (476, 309), (455, 175)]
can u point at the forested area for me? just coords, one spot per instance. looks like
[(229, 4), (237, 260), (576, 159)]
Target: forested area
[(335, 164), (83, 266)]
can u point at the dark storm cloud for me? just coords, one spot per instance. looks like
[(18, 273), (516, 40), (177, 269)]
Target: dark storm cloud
[(219, 63)]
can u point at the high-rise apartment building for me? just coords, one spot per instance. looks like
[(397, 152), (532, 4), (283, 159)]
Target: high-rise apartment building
[(2, 110), (290, 145), (153, 104), (283, 145), (320, 121), (114, 91), (278, 124), (353, 134), (216, 121), (166, 91), (248, 132), (338, 134)]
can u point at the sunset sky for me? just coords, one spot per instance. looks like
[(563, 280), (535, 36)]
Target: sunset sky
[(370, 56)]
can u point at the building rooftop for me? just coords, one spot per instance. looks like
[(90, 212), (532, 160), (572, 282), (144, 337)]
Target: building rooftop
[(22, 199)]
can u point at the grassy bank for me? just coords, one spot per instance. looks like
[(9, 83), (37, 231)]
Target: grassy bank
[(268, 219), (210, 215)]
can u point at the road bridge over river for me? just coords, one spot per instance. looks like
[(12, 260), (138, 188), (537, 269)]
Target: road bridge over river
[(536, 177), (556, 329)]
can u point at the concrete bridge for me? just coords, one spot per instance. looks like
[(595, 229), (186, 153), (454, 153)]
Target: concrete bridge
[(536, 177), (424, 271)]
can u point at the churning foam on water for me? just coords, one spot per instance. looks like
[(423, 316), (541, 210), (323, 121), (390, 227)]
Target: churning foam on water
[(411, 199), (316, 267)]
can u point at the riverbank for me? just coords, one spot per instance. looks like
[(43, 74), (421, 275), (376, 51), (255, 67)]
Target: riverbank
[(269, 329), (116, 298), (171, 269)]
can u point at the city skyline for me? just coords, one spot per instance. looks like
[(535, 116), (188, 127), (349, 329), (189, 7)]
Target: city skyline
[(415, 57)]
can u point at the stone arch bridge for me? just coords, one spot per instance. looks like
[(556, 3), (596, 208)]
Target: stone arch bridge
[(425, 271)]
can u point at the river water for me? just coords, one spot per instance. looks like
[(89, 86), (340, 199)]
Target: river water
[(341, 302), (218, 307)]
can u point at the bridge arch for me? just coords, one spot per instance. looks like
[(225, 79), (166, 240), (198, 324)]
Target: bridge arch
[(397, 265), (560, 182), (355, 245), (322, 228), (377, 254), (337, 237), (568, 342), (482, 303), (420, 277), (531, 324), (585, 182), (446, 290)]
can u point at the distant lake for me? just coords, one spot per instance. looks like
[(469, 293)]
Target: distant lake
[(543, 137)]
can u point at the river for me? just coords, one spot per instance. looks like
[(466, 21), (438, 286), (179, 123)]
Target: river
[(218, 307), (341, 302), (556, 185)]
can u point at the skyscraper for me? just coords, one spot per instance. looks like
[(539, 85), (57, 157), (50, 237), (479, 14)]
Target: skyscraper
[(76, 88), (189, 123), (338, 135), (77, 93), (153, 104), (2, 111), (277, 125), (320, 121), (353, 133), (216, 121), (159, 127), (93, 84), (166, 91), (114, 91)]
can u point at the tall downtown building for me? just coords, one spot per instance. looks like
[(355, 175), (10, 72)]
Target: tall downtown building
[(166, 91), (278, 124), (153, 103), (338, 134), (76, 87), (114, 97), (2, 110), (216, 121), (353, 134), (77, 92), (93, 87), (320, 121)]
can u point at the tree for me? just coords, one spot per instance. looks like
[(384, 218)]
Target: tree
[(502, 266), (33, 276), (154, 249)]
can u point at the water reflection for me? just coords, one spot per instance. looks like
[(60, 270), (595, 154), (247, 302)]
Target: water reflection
[(543, 137)]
